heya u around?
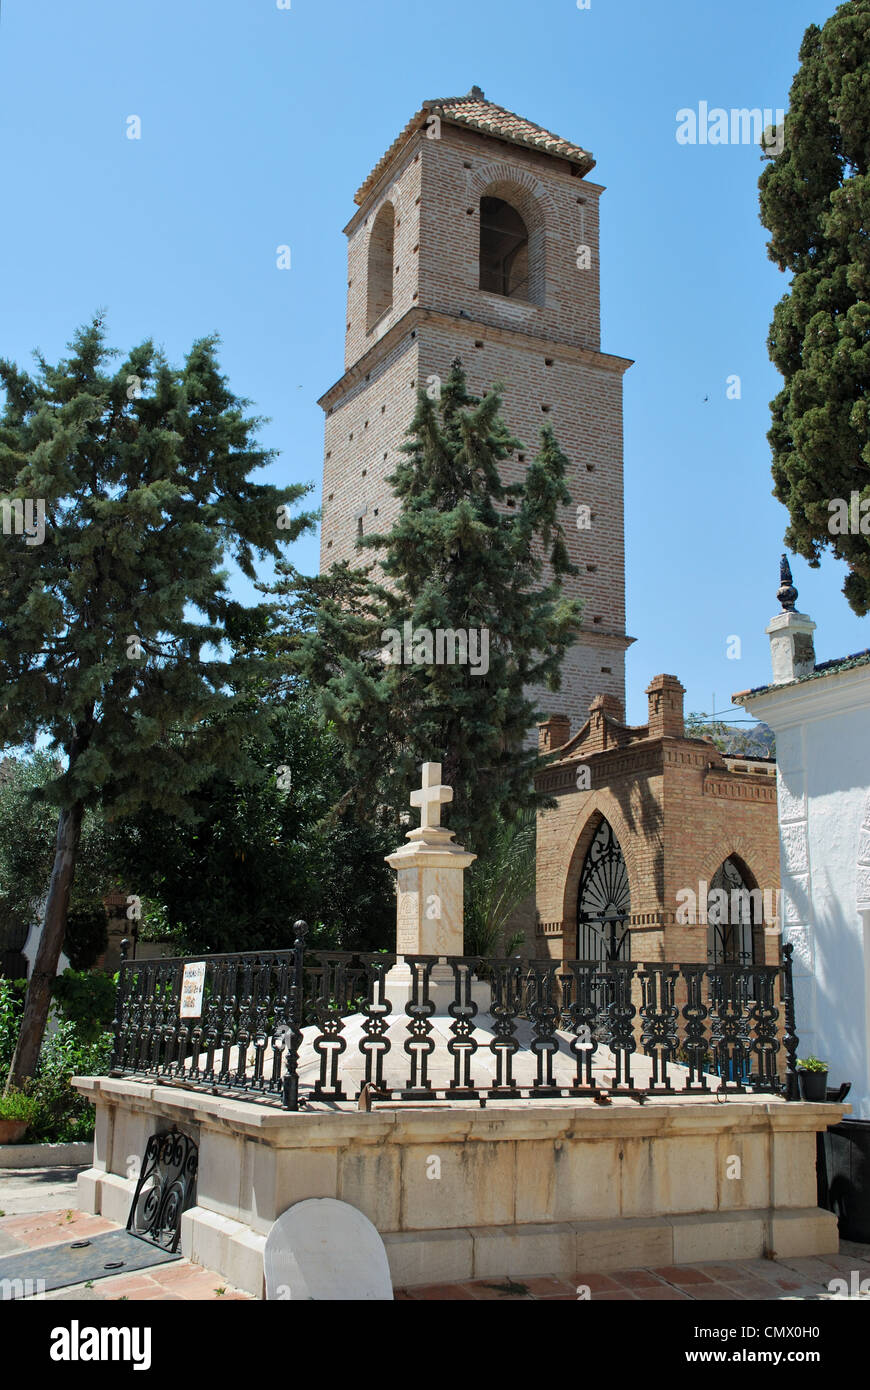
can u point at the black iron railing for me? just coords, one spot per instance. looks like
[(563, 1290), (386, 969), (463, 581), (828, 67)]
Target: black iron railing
[(302, 1027)]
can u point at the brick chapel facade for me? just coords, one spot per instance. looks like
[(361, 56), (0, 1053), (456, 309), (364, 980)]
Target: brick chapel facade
[(646, 816)]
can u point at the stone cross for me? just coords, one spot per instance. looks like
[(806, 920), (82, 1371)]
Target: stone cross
[(429, 900), (431, 797)]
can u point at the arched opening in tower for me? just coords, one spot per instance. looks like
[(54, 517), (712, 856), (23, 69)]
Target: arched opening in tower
[(504, 250), (380, 269)]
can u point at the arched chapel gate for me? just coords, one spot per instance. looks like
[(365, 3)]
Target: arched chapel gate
[(731, 919), (734, 911)]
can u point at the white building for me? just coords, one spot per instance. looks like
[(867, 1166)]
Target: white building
[(820, 715)]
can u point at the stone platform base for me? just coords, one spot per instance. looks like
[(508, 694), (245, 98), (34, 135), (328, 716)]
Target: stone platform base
[(458, 1192)]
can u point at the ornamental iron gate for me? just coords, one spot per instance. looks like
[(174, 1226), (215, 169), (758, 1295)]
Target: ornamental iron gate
[(731, 934), (603, 900), (165, 1190)]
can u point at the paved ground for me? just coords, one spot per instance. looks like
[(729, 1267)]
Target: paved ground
[(38, 1207), (25, 1190), (725, 1281)]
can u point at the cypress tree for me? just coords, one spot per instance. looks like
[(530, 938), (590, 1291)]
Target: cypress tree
[(467, 553), (815, 201)]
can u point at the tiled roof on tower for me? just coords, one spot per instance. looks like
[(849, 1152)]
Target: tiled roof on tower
[(475, 112)]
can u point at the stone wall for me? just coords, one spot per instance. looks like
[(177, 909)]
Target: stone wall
[(821, 728), (458, 1193)]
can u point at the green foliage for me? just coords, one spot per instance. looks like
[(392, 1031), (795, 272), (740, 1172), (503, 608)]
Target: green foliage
[(18, 1105), (815, 201), (146, 496), (497, 884), (259, 855), (63, 1116), (28, 827), (58, 1114), (86, 999), (115, 627), (11, 1004), (467, 553), (86, 936), (812, 1064)]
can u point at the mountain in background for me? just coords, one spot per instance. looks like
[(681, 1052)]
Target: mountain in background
[(750, 740)]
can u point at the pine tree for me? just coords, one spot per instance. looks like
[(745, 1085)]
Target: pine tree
[(114, 610), (467, 553), (815, 201)]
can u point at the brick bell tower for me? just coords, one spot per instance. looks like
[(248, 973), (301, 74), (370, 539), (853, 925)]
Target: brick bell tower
[(476, 236)]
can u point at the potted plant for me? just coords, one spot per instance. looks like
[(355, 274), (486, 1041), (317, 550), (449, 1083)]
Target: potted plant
[(813, 1076), (17, 1111)]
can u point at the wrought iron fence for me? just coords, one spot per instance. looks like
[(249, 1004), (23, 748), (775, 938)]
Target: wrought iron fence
[(247, 1003), (298, 1027)]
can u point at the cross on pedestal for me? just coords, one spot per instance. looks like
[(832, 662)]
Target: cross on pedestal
[(429, 902), (431, 797)]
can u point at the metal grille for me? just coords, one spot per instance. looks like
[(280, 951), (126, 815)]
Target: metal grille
[(165, 1190), (730, 936), (321, 1028), (603, 900)]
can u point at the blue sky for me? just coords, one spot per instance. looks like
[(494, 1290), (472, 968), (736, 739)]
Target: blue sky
[(257, 126)]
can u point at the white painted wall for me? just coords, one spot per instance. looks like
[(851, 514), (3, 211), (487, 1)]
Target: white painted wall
[(31, 946), (822, 729)]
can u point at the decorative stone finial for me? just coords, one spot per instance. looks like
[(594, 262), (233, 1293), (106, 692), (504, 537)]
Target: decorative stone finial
[(476, 92), (786, 593), (792, 652)]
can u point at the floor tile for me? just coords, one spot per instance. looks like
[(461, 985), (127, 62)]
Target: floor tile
[(712, 1292), (637, 1278), (682, 1274), (440, 1292), (603, 1283)]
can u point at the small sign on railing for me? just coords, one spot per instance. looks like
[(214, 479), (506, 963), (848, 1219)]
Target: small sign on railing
[(192, 986)]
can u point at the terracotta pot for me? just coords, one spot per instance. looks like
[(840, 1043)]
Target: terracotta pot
[(12, 1131)]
